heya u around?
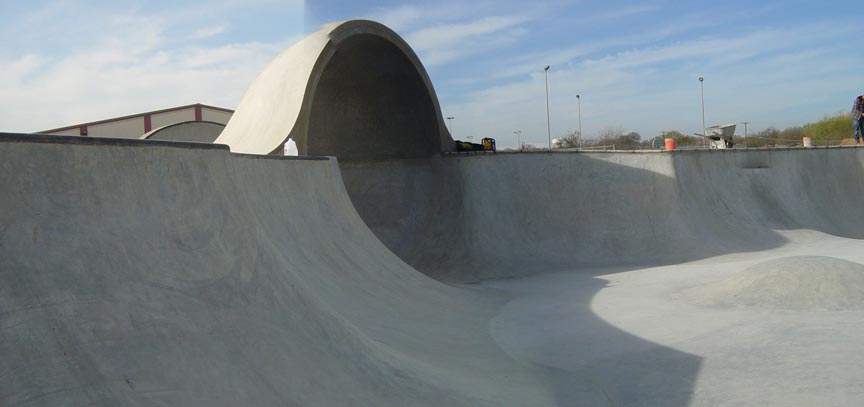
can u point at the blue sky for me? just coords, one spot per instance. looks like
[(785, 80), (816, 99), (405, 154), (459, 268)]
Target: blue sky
[(635, 64)]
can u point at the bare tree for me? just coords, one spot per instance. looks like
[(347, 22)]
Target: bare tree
[(610, 134), (616, 135), (528, 146), (571, 140)]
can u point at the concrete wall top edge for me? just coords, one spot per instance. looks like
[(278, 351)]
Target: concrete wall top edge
[(43, 138), (104, 141), (153, 132), (283, 157)]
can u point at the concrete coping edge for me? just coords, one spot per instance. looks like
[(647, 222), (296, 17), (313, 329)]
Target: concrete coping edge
[(106, 141)]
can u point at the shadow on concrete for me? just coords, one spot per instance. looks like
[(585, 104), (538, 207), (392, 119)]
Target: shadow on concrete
[(463, 219), (142, 273), (366, 77), (216, 279), (591, 362), (470, 218), (780, 189)]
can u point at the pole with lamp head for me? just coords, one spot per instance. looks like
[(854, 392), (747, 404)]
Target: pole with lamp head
[(450, 119), (704, 129), (548, 126), (579, 106)]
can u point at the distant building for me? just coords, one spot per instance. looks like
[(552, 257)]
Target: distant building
[(137, 125)]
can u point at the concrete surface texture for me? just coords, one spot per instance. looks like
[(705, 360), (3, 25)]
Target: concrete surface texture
[(796, 282), (354, 90), (516, 214), (144, 272), (271, 292), (193, 131), (274, 291), (688, 353), (724, 278)]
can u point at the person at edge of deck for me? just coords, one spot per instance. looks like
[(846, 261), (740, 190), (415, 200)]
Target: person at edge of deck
[(858, 118)]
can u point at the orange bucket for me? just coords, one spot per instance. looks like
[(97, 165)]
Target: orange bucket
[(670, 144)]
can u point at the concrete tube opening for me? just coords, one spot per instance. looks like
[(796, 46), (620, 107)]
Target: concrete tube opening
[(371, 103)]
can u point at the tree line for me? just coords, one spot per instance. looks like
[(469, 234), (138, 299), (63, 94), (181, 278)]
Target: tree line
[(830, 130)]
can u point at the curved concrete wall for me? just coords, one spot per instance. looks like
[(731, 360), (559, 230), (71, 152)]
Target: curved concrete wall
[(469, 218), (354, 90), (272, 292), (196, 132)]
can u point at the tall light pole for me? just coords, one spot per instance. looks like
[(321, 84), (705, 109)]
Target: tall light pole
[(450, 119), (579, 104), (745, 133), (548, 127), (704, 130), (518, 134)]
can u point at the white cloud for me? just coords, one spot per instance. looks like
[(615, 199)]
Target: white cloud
[(623, 12), (449, 35), (644, 81), (445, 42), (408, 18), (771, 74), (399, 18), (525, 63), (20, 70), (128, 63), (207, 32), (448, 31), (112, 78)]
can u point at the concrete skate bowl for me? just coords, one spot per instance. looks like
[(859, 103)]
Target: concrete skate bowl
[(156, 273), (779, 189), (191, 131), (167, 273), (272, 291), (801, 283), (354, 90), (473, 218), (170, 273)]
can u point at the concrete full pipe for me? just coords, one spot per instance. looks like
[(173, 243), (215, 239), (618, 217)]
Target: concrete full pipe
[(358, 76)]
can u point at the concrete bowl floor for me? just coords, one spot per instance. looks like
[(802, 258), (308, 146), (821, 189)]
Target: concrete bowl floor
[(748, 355)]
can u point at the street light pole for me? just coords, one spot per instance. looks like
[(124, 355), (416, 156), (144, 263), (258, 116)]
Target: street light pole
[(518, 134), (745, 133), (548, 127), (450, 119), (579, 104), (704, 130)]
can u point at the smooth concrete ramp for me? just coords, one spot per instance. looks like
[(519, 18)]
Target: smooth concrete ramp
[(157, 273), (683, 279), (472, 218), (144, 273)]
